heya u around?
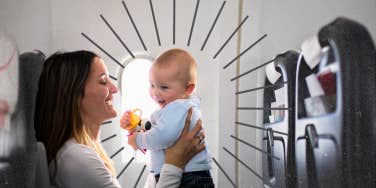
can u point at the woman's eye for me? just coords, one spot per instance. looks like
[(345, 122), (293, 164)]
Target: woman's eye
[(103, 82)]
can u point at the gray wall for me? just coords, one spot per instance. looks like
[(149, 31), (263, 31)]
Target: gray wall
[(29, 22)]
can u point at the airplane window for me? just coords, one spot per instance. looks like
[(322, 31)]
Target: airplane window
[(135, 95)]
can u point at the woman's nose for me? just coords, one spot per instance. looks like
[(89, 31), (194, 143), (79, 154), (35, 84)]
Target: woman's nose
[(113, 88)]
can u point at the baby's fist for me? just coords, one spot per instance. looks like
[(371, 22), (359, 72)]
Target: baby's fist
[(124, 120)]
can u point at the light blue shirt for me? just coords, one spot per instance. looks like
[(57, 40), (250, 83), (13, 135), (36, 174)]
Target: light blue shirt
[(167, 124)]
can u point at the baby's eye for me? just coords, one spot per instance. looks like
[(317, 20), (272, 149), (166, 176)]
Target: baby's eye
[(163, 87), (152, 85)]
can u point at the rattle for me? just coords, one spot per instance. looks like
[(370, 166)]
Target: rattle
[(134, 119)]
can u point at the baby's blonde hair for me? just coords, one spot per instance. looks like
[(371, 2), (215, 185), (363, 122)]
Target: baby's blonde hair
[(184, 62)]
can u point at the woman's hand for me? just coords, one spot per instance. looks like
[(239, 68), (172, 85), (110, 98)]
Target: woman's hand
[(188, 144)]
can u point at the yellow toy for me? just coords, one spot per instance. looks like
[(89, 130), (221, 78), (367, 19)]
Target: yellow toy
[(134, 119)]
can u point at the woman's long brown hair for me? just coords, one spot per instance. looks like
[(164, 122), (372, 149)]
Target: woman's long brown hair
[(57, 113)]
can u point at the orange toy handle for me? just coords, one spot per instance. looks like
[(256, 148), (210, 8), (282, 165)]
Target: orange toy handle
[(137, 110)]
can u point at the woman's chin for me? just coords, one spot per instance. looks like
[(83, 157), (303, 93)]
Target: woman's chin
[(113, 113)]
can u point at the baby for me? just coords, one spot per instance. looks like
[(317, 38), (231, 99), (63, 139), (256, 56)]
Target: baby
[(172, 81)]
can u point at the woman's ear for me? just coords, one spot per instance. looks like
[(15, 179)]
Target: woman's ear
[(190, 88)]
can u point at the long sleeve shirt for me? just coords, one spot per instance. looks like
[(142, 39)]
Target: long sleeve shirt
[(167, 125), (79, 165)]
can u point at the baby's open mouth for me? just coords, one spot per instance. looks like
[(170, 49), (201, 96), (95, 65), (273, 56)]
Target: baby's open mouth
[(161, 102)]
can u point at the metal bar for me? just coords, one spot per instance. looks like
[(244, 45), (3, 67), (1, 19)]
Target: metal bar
[(108, 138), (117, 152), (230, 37), (193, 23), (155, 22), (134, 25), (227, 176), (261, 128), (252, 45), (241, 75), (249, 168), (104, 51), (117, 36), (254, 147), (126, 166), (139, 177), (258, 88), (212, 27)]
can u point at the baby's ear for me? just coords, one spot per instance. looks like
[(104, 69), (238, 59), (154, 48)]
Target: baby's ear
[(190, 88)]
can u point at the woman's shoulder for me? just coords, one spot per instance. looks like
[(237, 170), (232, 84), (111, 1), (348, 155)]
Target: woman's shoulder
[(80, 162), (73, 150), (74, 156)]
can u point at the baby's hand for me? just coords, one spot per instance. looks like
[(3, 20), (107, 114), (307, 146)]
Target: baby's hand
[(132, 140), (124, 121)]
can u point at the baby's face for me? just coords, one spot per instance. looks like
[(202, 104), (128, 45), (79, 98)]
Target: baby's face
[(164, 85)]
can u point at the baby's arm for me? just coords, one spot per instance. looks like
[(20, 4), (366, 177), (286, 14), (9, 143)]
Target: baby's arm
[(132, 140), (167, 130)]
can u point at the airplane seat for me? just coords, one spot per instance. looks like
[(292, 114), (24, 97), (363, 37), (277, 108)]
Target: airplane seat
[(356, 52), (31, 65), (21, 158), (42, 179), (335, 132)]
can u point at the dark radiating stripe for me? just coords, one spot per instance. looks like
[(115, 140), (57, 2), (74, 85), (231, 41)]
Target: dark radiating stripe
[(108, 138), (261, 108), (106, 122), (254, 147), (261, 128), (113, 77), (117, 152), (247, 72), (193, 23), (212, 27), (134, 25), (242, 53), (227, 176), (125, 167), (104, 51), (259, 88), (249, 168), (229, 38), (155, 22), (116, 35), (139, 176), (173, 21)]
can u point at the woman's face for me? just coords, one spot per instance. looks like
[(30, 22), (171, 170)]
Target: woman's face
[(96, 105)]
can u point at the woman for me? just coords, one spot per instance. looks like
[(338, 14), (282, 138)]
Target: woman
[(75, 96)]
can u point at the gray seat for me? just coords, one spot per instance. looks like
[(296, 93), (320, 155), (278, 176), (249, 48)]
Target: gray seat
[(24, 157), (42, 178), (31, 65)]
